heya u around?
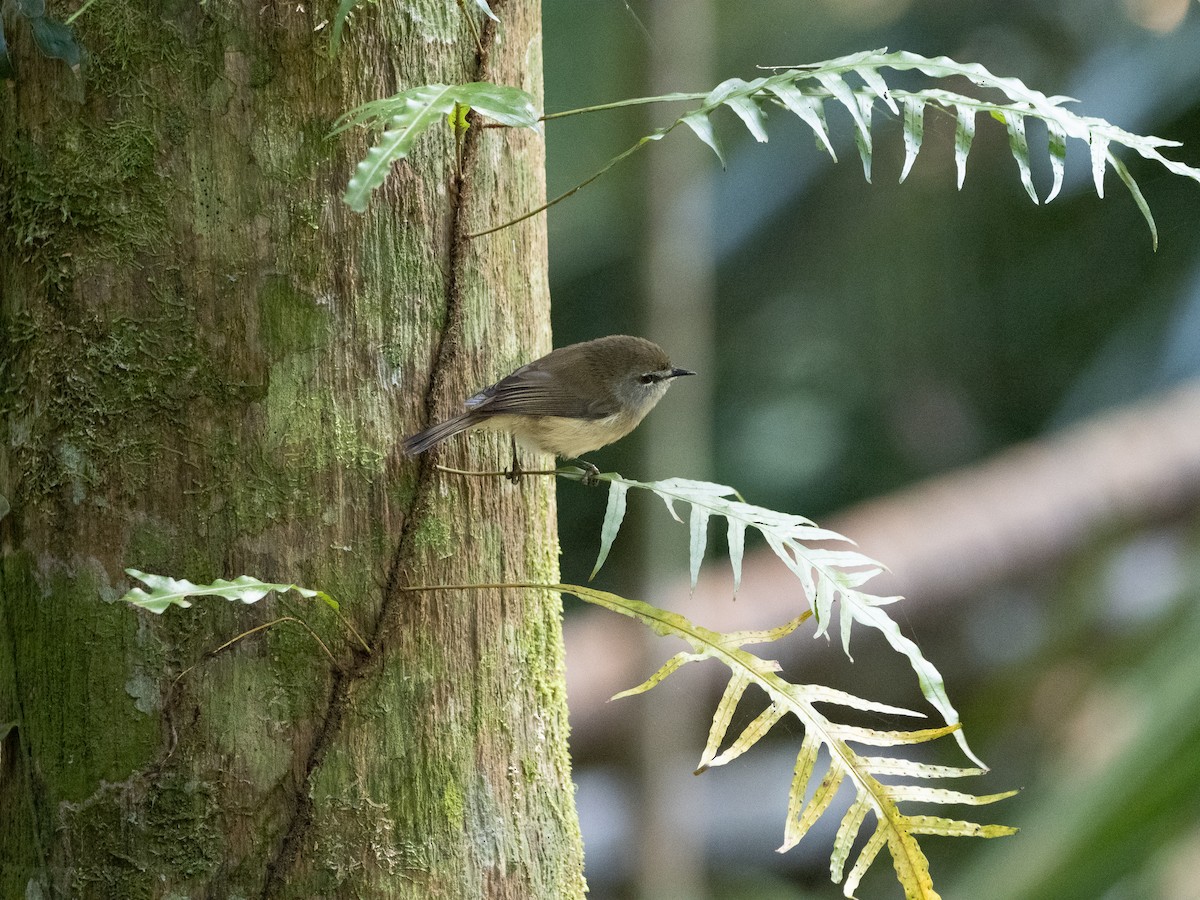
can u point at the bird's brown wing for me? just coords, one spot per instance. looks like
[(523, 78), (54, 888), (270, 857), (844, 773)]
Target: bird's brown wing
[(535, 391)]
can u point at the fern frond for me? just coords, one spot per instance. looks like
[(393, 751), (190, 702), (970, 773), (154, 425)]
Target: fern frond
[(805, 90), (828, 577), (895, 829), (166, 591), (404, 117), (340, 17)]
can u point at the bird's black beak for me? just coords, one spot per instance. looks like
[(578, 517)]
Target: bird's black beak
[(675, 373)]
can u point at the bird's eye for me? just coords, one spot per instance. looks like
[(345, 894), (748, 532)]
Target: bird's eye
[(648, 378)]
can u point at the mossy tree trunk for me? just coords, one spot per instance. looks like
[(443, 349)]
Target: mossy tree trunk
[(206, 363)]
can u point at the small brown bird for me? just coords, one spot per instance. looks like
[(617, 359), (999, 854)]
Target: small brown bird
[(573, 400)]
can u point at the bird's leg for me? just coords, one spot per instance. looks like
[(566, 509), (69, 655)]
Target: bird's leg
[(514, 474), (591, 475)]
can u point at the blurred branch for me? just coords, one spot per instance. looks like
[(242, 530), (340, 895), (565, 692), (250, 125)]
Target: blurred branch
[(1037, 502), (1024, 509)]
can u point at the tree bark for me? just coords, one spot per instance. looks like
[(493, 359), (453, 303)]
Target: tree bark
[(207, 362)]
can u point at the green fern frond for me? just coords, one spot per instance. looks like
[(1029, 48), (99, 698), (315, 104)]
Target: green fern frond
[(166, 592), (802, 91), (805, 90), (340, 17), (828, 577), (404, 117), (894, 829)]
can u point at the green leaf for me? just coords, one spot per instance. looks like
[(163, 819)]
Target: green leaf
[(916, 793), (56, 40), (862, 138), (614, 515), (1019, 145), (79, 11), (810, 110), (865, 858), (166, 592), (929, 678), (748, 738), (458, 119), (340, 17), (1098, 146), (806, 760), (878, 86), (666, 669), (765, 635), (504, 104), (738, 95), (874, 737), (409, 114), (702, 126), (964, 134), (914, 132), (860, 111), (820, 800), (736, 539), (887, 765), (833, 83), (5, 508), (698, 540), (821, 694), (1125, 175), (846, 835), (723, 716), (1057, 146), (954, 828), (424, 106)]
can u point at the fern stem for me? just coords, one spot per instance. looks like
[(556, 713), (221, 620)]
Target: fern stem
[(570, 472), (493, 586), (617, 104), (353, 630), (474, 27), (245, 634), (658, 135), (494, 473)]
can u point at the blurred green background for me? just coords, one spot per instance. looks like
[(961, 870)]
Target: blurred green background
[(854, 339)]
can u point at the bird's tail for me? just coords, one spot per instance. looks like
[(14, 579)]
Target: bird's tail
[(435, 434)]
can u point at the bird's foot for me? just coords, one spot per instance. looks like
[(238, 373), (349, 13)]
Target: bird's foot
[(514, 474), (591, 475)]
